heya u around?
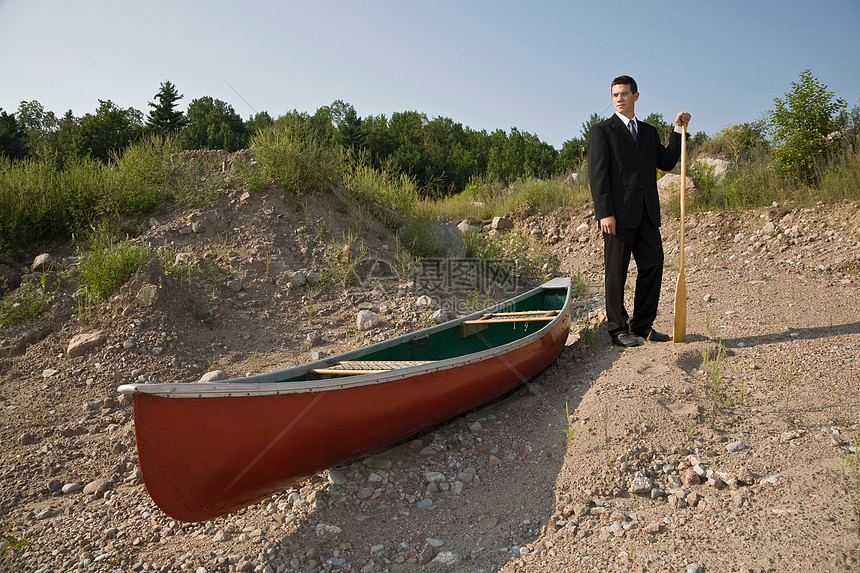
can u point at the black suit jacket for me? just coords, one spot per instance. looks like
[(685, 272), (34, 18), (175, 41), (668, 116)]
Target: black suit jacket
[(623, 175)]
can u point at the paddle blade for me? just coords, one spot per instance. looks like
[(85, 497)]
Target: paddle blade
[(679, 332)]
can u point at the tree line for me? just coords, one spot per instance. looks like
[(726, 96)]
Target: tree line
[(442, 155)]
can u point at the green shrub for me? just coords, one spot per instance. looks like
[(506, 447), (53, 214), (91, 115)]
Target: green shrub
[(22, 305), (801, 124), (109, 266), (513, 250), (343, 259), (740, 142), (484, 198), (394, 200), (394, 191)]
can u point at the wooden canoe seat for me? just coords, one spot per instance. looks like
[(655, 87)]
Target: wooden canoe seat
[(524, 316), (356, 367), (470, 327)]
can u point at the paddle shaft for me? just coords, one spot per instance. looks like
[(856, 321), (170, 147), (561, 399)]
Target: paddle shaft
[(683, 191), (680, 327)]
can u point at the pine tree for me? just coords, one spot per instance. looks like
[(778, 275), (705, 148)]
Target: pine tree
[(164, 118)]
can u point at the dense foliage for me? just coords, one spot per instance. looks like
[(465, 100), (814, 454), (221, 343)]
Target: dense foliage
[(62, 176), (11, 137)]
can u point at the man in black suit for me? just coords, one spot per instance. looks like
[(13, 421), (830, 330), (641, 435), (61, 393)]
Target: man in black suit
[(623, 157)]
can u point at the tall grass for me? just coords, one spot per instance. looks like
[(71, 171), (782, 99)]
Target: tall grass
[(484, 198), (292, 154), (140, 178), (39, 202), (840, 178), (31, 205)]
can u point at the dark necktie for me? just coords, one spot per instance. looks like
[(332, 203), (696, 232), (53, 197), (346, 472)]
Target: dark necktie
[(632, 125)]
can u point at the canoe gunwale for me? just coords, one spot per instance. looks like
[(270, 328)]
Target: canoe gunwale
[(237, 388)]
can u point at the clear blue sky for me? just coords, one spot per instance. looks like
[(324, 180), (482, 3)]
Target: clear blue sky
[(542, 67)]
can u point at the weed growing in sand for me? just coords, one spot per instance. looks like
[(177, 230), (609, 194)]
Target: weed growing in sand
[(344, 258), (604, 424), (712, 358), (37, 418), (174, 263), (477, 300), (224, 243), (689, 428), (201, 310), (789, 374), (404, 265), (579, 282), (350, 342), (15, 542), (587, 326), (851, 472), (250, 173), (313, 289), (186, 267), (569, 431)]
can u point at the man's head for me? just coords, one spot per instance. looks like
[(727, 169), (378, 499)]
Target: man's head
[(625, 92)]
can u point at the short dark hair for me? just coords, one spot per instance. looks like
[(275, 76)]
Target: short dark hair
[(626, 80)]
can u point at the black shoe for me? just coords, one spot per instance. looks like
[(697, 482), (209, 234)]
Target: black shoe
[(626, 340), (654, 336)]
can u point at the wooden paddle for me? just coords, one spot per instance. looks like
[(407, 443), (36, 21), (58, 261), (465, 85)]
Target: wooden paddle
[(679, 333)]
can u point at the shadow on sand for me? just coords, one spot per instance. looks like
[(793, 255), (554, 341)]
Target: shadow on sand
[(811, 333)]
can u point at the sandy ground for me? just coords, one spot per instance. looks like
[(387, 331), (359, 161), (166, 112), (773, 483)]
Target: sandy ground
[(732, 451)]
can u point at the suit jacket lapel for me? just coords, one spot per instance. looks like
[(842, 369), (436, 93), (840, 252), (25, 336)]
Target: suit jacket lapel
[(619, 125)]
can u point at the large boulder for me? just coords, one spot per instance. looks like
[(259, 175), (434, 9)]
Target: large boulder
[(449, 240), (669, 187), (717, 165)]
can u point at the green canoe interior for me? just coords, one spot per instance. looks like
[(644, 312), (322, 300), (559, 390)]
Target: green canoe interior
[(453, 342)]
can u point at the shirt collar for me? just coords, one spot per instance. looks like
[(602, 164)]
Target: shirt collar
[(627, 121)]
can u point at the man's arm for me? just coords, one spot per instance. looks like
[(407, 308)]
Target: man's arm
[(598, 178), (667, 157)]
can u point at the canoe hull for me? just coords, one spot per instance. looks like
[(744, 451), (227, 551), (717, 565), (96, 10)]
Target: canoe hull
[(206, 456)]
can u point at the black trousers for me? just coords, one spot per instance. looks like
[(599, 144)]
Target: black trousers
[(646, 246)]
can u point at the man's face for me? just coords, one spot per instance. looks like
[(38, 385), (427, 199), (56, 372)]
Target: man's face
[(624, 100)]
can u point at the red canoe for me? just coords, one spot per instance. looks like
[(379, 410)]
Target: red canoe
[(207, 449)]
